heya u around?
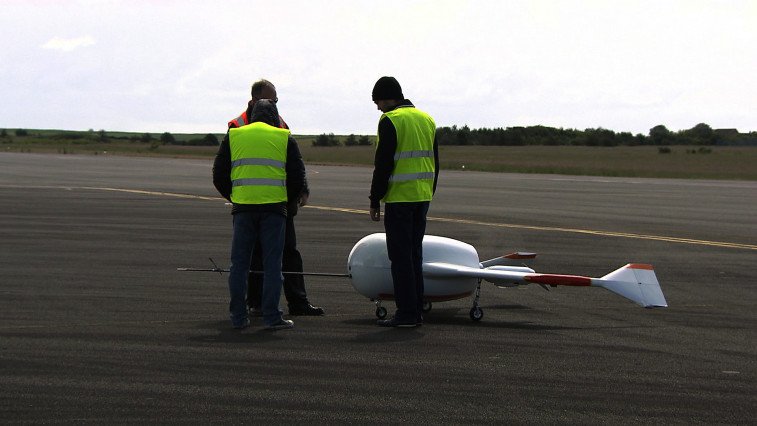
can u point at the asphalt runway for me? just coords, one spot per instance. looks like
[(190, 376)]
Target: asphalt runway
[(96, 324)]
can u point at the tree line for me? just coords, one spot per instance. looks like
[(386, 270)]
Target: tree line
[(102, 136), (701, 134), (332, 140)]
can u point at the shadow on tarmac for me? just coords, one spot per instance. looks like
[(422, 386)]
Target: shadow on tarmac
[(226, 334), (452, 316)]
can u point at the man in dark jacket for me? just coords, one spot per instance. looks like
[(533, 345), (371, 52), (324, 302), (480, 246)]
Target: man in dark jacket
[(257, 168)]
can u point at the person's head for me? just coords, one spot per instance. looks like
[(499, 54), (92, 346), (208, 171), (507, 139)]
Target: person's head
[(387, 93), (263, 89), (265, 110)]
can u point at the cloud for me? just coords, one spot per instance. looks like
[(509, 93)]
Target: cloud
[(68, 44)]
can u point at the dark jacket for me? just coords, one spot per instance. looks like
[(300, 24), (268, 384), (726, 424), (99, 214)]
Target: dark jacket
[(295, 168), (383, 162)]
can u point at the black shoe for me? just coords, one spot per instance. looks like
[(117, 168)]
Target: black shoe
[(394, 322), (244, 324), (306, 310), (282, 324)]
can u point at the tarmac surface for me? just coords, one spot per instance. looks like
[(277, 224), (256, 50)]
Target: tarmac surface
[(96, 324)]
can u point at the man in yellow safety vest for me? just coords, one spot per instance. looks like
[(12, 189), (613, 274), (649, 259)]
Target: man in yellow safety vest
[(257, 167), (294, 284), (406, 171)]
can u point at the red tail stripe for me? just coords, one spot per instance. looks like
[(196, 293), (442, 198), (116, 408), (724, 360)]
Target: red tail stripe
[(520, 255), (639, 266), (554, 279)]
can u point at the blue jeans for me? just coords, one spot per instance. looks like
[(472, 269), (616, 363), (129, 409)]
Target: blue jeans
[(405, 225), (294, 285), (269, 228)]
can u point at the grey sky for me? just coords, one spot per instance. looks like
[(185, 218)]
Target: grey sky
[(187, 66)]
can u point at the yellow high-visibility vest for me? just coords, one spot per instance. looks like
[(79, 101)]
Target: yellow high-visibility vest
[(258, 164), (414, 168)]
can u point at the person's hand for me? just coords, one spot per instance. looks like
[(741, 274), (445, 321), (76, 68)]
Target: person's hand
[(304, 199), (376, 214)]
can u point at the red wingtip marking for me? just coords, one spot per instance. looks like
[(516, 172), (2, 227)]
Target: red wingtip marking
[(640, 266)]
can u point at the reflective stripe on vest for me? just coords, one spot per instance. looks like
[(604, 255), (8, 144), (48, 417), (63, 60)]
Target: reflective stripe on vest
[(239, 121), (258, 164), (404, 177), (413, 154), (414, 168), (259, 181)]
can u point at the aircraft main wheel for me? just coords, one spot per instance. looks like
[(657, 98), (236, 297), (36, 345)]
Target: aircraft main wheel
[(426, 306), (381, 312), (476, 313)]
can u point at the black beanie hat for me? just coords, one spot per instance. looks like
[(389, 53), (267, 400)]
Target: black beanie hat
[(387, 88)]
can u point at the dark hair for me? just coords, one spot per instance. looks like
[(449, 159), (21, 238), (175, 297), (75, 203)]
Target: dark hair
[(258, 86), (265, 110)]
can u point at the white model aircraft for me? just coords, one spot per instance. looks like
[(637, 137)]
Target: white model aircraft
[(452, 270)]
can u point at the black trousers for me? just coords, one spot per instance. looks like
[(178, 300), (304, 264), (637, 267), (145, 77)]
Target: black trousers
[(405, 225), (294, 285)]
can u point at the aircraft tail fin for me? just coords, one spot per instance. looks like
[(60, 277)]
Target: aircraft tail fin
[(636, 282)]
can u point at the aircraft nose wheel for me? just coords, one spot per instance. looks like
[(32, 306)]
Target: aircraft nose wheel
[(380, 310), (476, 313)]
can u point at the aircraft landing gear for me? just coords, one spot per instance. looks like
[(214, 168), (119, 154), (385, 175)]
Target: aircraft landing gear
[(380, 310), (476, 313)]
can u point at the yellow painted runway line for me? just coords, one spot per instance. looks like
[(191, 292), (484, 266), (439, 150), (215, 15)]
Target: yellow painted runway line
[(601, 233), (570, 230), (166, 194), (722, 244), (338, 209)]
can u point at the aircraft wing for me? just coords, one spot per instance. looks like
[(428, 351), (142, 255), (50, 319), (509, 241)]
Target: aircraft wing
[(636, 282), (500, 275)]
